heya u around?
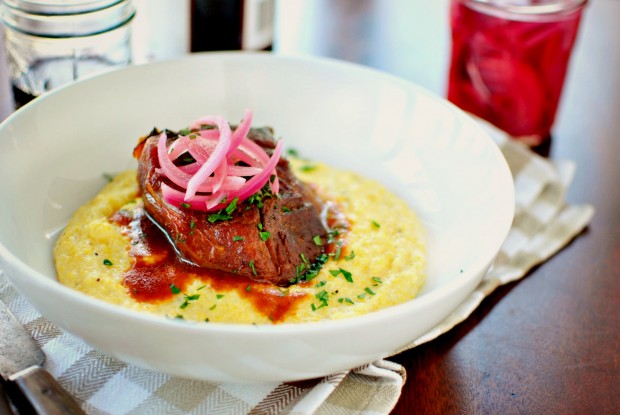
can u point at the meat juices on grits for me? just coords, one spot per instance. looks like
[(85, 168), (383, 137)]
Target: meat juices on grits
[(311, 242)]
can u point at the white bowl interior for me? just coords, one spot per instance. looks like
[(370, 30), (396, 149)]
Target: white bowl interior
[(54, 152)]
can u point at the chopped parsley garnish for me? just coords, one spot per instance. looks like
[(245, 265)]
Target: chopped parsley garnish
[(320, 284), (232, 206), (285, 209), (306, 271), (238, 238), (346, 274), (185, 131), (218, 296), (251, 264), (292, 152), (345, 300), (213, 307), (377, 280), (264, 235), (214, 217), (375, 224), (185, 205), (323, 297), (248, 288), (189, 298), (107, 262), (224, 214), (192, 224), (361, 296), (174, 289), (369, 291), (257, 198), (308, 168), (109, 177), (317, 240), (350, 256)]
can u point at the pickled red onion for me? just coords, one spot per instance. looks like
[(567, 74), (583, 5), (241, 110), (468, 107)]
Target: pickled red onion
[(215, 159), (213, 176)]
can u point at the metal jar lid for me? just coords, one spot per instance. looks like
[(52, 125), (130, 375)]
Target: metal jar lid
[(66, 18)]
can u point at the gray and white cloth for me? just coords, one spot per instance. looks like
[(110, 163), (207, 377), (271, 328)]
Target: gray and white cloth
[(544, 223)]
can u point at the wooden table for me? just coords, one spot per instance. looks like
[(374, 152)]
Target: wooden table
[(549, 344)]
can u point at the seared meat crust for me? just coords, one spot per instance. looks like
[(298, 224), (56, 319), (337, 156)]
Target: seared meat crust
[(235, 245)]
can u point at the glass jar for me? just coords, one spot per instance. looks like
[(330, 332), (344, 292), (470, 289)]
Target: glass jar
[(50, 43), (509, 61)]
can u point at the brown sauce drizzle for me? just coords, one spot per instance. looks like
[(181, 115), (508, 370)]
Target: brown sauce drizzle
[(156, 268)]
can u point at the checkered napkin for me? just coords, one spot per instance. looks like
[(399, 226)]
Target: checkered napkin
[(543, 224)]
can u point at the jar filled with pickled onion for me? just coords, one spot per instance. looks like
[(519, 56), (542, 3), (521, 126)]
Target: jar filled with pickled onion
[(509, 61)]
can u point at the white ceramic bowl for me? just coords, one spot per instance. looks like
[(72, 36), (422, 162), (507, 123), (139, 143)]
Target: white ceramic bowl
[(54, 151)]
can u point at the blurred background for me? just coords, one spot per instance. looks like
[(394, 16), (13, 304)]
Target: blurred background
[(407, 38)]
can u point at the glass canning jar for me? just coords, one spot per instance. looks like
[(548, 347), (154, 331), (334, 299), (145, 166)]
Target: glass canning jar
[(50, 43)]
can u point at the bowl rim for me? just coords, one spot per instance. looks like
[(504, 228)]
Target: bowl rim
[(483, 261)]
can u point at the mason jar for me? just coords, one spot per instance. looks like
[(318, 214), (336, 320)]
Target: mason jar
[(50, 43), (510, 59)]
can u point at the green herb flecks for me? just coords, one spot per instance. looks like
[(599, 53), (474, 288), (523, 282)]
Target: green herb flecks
[(346, 274), (224, 214), (107, 262), (375, 224), (350, 256), (258, 198), (318, 241), (308, 168), (188, 299), (306, 271), (238, 238), (251, 264), (174, 289), (323, 297), (292, 152)]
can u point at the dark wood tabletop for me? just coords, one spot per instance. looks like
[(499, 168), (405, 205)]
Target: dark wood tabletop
[(550, 343)]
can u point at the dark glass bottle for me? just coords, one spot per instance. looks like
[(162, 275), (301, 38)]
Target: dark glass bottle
[(232, 25)]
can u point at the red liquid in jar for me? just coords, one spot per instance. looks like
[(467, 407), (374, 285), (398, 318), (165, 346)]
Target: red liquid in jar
[(508, 71)]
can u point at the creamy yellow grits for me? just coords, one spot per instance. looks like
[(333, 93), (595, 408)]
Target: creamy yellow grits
[(382, 264)]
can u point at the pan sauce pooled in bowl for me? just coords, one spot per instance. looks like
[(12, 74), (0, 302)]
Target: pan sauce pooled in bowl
[(368, 254)]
